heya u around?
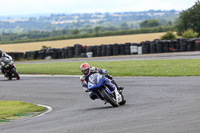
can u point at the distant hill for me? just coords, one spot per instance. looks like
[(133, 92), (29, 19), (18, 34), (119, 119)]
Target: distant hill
[(84, 21)]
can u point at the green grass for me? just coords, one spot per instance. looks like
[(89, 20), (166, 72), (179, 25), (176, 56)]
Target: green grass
[(183, 67), (17, 108)]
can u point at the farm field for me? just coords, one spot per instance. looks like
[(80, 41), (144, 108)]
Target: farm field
[(22, 47)]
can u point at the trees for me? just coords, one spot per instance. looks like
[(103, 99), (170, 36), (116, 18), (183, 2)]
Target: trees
[(189, 19), (189, 34), (169, 36), (150, 23)]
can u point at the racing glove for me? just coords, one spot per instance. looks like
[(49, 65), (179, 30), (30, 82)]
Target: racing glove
[(108, 76)]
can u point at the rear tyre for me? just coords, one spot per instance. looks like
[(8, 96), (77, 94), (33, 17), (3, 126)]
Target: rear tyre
[(16, 74), (109, 98)]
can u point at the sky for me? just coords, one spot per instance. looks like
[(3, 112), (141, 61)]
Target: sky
[(25, 7)]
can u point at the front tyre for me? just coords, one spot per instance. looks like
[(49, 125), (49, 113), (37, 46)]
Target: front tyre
[(123, 100), (109, 98), (8, 76), (16, 74)]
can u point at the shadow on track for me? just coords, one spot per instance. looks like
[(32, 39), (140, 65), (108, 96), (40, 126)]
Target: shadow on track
[(105, 107)]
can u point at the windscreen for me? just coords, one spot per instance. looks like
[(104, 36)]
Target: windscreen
[(93, 78)]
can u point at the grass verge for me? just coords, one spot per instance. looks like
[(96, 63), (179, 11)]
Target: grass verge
[(13, 109), (182, 67)]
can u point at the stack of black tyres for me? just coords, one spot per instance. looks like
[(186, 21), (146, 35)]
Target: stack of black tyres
[(83, 51), (59, 54), (109, 50), (36, 54), (66, 52), (99, 50), (29, 55), (42, 53), (122, 49), (54, 53), (63, 53), (116, 49), (159, 47), (190, 46), (177, 45), (146, 47), (172, 46), (77, 50), (71, 52), (94, 51), (103, 50), (183, 45), (153, 47), (89, 49), (165, 46), (127, 48)]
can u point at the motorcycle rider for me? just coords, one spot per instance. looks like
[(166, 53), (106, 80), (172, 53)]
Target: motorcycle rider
[(2, 56), (87, 71)]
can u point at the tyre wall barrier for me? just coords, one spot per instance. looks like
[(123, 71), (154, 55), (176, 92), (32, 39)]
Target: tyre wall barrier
[(183, 45), (116, 49), (77, 50), (134, 48), (172, 47), (103, 50), (94, 50), (127, 48), (29, 55), (159, 46), (16, 55), (165, 46), (109, 50), (197, 44), (99, 48), (122, 49), (153, 47), (144, 47)]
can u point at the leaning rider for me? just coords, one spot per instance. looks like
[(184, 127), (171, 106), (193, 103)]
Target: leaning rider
[(87, 71), (3, 56)]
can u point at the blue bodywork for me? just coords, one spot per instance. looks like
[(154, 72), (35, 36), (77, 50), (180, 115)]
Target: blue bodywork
[(96, 82)]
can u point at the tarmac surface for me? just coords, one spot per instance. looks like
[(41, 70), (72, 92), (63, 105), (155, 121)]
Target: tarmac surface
[(154, 105)]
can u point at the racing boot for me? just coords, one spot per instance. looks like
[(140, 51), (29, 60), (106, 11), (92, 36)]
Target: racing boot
[(118, 87)]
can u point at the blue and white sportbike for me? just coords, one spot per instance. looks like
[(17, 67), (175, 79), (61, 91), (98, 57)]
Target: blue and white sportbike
[(105, 90)]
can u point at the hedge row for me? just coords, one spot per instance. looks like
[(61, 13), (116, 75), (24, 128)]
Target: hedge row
[(156, 46)]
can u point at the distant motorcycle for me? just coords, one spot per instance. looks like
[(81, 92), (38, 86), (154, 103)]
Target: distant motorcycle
[(9, 69), (96, 84)]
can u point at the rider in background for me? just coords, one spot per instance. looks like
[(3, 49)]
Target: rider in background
[(87, 71), (3, 55)]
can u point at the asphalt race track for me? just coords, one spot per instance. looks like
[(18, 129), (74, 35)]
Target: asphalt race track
[(154, 105)]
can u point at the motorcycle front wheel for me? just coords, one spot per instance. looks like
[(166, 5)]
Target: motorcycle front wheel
[(9, 76), (123, 101), (109, 98)]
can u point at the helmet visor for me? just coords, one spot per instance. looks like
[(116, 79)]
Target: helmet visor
[(85, 72)]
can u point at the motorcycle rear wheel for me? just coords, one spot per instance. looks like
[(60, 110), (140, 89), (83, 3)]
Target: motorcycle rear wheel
[(16, 74), (109, 98)]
